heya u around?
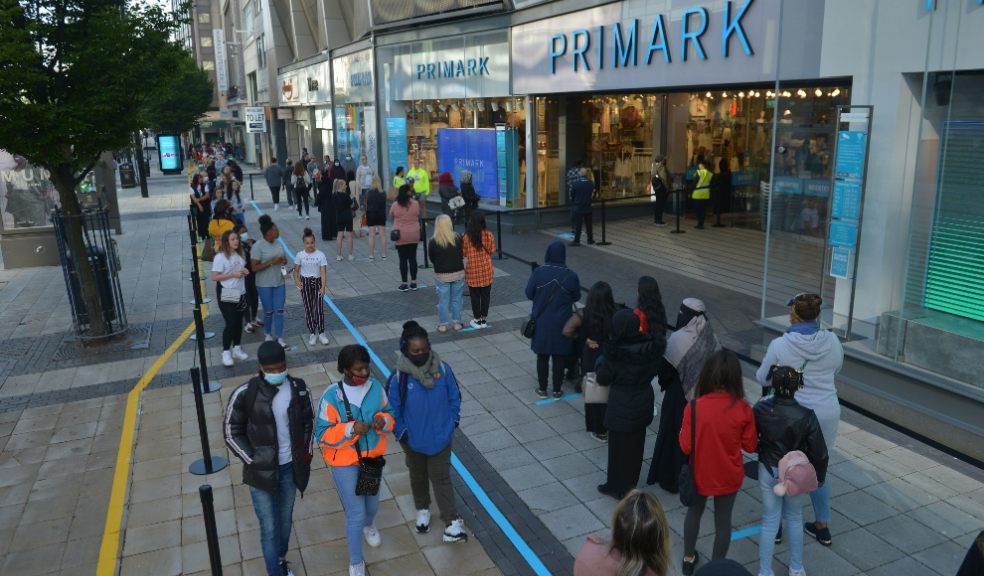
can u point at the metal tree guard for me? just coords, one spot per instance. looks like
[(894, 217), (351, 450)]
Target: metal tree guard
[(104, 261)]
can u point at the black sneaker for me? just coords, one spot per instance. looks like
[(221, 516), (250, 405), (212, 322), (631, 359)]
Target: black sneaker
[(403, 288), (607, 491), (558, 393), (779, 535), (285, 568), (541, 392), (821, 534), (413, 286), (688, 567)]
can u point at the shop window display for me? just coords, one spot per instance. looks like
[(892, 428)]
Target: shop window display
[(27, 196)]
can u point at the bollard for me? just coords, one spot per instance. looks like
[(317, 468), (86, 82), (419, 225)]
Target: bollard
[(211, 534), (208, 386), (604, 240), (196, 287), (196, 273), (679, 206), (251, 197), (498, 232), (208, 463), (423, 237)]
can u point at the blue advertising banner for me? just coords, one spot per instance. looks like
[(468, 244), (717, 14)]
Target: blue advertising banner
[(844, 233), (850, 154), (396, 144), (847, 200), (473, 150), (840, 262), (169, 147)]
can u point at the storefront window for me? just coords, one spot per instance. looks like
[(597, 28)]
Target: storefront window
[(27, 196), (355, 110)]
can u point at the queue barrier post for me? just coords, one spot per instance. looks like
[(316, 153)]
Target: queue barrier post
[(208, 386), (423, 236), (498, 232), (211, 534), (604, 227), (208, 464), (679, 207)]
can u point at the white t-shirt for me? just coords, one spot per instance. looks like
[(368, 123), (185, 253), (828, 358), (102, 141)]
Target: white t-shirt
[(355, 395), (310, 263), (224, 265), (280, 403)]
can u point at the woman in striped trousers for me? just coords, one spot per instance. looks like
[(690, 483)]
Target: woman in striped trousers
[(310, 277)]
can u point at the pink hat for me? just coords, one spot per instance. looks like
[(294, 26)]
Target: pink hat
[(796, 475)]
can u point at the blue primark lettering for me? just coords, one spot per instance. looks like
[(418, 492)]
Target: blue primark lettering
[(448, 68), (624, 50), (483, 66), (658, 31), (601, 47), (430, 69), (556, 52), (686, 35), (459, 68), (578, 51), (734, 26)]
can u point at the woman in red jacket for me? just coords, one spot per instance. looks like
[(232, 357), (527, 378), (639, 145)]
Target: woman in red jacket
[(725, 427)]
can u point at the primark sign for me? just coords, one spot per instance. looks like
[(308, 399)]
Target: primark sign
[(663, 43)]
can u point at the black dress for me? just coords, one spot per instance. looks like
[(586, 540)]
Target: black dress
[(326, 207), (667, 456)]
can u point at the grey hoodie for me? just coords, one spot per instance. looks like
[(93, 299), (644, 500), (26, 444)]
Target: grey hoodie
[(821, 357)]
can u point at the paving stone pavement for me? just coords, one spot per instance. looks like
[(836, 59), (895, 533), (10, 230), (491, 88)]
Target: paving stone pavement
[(899, 506)]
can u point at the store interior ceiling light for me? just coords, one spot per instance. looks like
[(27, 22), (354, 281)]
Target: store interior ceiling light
[(818, 92), (741, 94), (508, 105), (801, 93), (708, 95), (430, 108), (495, 105), (724, 94), (786, 94), (481, 105), (787, 112), (836, 92)]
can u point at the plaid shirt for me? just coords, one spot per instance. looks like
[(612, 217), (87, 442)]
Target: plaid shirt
[(478, 268)]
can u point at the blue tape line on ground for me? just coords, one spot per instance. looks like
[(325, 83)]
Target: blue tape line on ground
[(524, 550), (546, 401), (745, 532), (507, 528)]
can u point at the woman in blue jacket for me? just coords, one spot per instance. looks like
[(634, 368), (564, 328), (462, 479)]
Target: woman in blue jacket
[(427, 407), (553, 288)]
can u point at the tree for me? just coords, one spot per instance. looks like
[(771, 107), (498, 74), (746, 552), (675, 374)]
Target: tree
[(78, 78)]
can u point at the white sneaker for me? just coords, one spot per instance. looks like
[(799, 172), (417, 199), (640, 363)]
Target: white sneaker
[(351, 257), (226, 358), (307, 217), (475, 324), (357, 569), (323, 338), (797, 572), (268, 338), (423, 522), (311, 339), (455, 532), (299, 217), (276, 207), (283, 343), (239, 354), (338, 258), (372, 536)]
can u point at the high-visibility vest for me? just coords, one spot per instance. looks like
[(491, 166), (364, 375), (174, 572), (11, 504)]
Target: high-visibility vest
[(703, 189)]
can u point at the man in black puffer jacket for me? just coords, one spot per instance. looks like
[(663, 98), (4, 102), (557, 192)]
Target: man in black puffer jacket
[(628, 364), (269, 425)]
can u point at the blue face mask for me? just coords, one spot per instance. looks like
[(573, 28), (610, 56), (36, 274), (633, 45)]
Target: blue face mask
[(275, 379), (244, 237)]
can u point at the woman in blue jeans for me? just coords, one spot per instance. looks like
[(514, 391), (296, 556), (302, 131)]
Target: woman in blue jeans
[(784, 425), (444, 250), (269, 264), (351, 424)]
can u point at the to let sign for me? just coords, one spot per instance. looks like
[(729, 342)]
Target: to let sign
[(255, 120)]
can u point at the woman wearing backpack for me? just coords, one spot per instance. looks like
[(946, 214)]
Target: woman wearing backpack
[(300, 180), (784, 426), (426, 405)]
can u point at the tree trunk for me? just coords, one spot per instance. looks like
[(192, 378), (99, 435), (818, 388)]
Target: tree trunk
[(64, 180)]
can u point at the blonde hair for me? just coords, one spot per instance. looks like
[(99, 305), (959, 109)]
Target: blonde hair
[(444, 235), (640, 535), (377, 183), (340, 185)]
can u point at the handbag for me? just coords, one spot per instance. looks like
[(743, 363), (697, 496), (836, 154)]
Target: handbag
[(594, 393), (395, 234), (456, 202), (687, 484), (231, 295), (208, 251), (371, 468)]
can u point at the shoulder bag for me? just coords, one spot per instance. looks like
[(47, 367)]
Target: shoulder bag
[(594, 393), (528, 329), (687, 482), (208, 250), (370, 469)]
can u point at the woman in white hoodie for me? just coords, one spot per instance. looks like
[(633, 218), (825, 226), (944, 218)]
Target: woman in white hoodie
[(819, 355)]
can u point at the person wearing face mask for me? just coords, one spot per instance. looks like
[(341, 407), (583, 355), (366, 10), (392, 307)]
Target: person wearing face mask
[(352, 421), (269, 422), (426, 404)]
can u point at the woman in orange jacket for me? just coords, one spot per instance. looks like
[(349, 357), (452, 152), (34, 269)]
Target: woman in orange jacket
[(352, 421)]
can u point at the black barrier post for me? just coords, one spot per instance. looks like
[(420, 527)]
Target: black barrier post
[(207, 386), (211, 534), (208, 463), (423, 236), (251, 197), (604, 220), (498, 231), (679, 206), (196, 272), (196, 288)]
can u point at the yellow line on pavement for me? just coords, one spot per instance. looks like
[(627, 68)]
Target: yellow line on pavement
[(110, 547)]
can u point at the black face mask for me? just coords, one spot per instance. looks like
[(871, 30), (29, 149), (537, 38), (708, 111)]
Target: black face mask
[(419, 359)]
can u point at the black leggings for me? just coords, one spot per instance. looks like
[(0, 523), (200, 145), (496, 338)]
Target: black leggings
[(480, 300), (625, 452), (543, 363), (233, 332), (722, 524), (303, 195), (408, 260), (275, 192)]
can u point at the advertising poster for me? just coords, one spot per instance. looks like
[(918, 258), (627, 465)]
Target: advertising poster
[(169, 147), (396, 145), (255, 120), (26, 193), (470, 149)]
